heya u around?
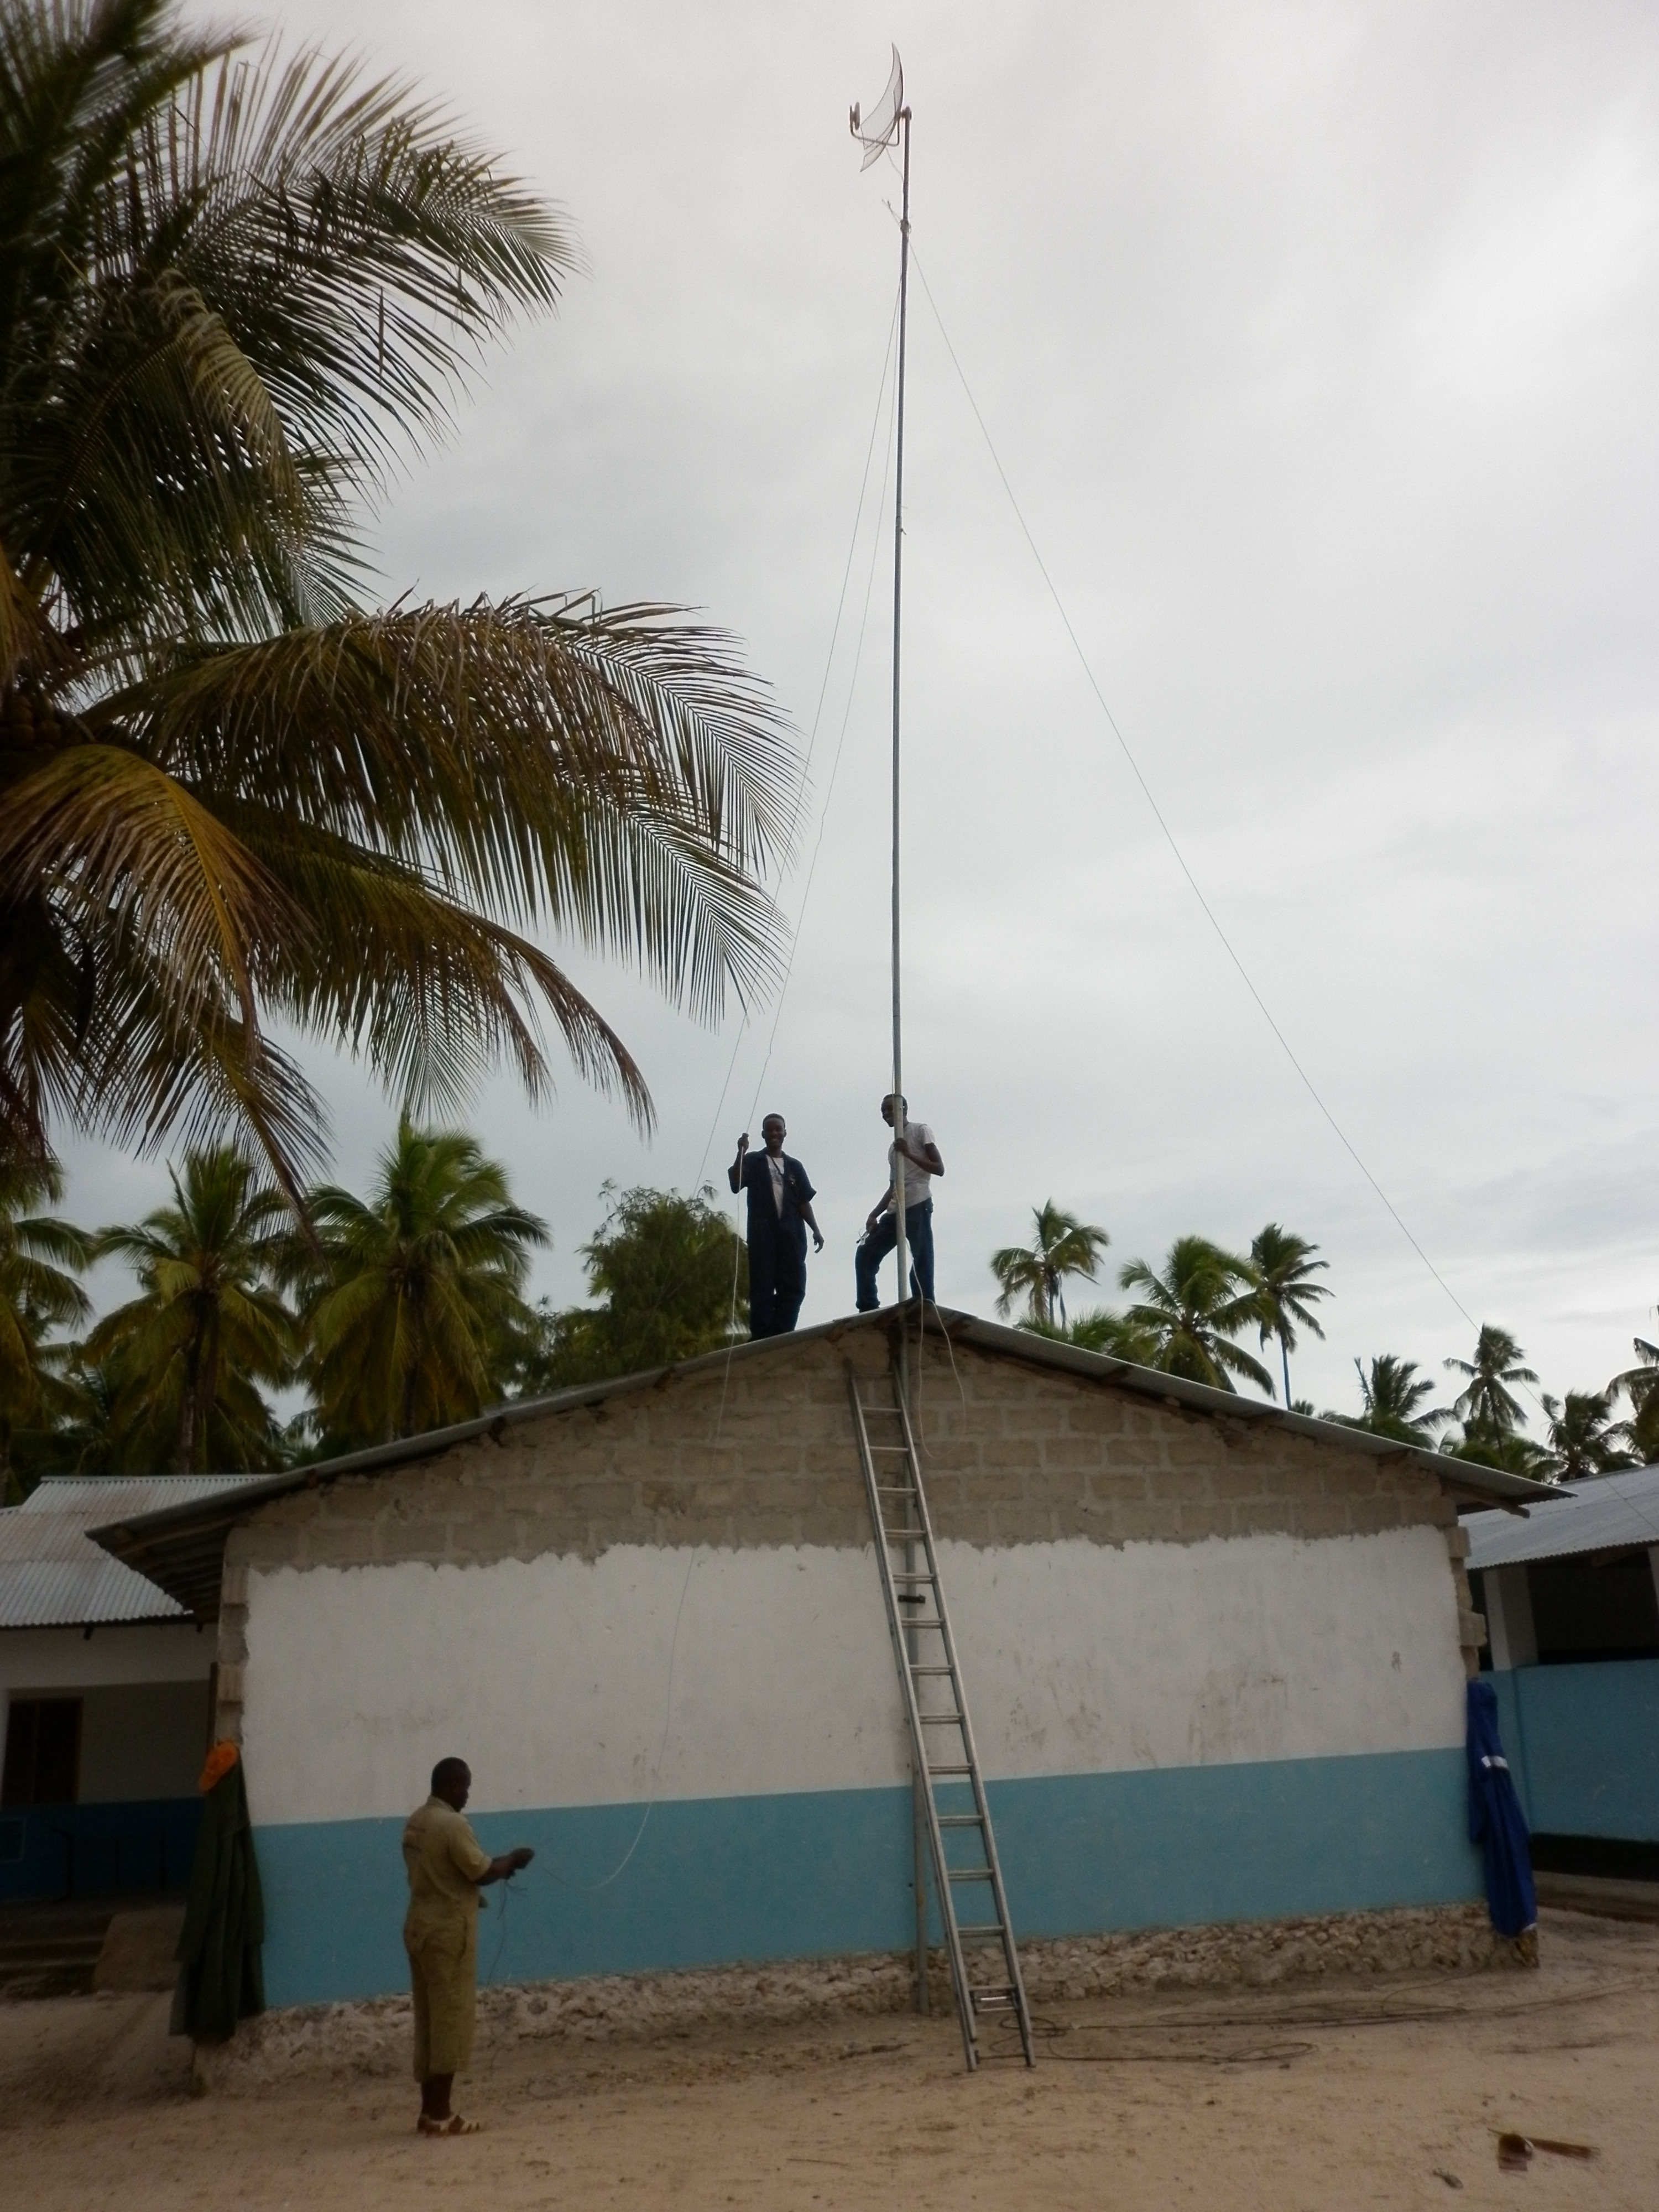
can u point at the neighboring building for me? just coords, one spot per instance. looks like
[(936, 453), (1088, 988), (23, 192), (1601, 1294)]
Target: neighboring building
[(1571, 1599), (105, 1697), (1215, 1655)]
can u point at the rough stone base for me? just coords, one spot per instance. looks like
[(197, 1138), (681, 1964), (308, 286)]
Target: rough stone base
[(373, 2036)]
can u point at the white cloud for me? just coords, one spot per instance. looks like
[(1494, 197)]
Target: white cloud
[(1319, 345)]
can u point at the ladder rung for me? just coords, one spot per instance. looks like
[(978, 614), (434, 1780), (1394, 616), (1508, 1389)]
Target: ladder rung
[(905, 1538)]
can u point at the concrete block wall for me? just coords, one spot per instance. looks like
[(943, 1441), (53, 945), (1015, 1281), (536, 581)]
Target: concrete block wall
[(1213, 1665), (764, 1456)]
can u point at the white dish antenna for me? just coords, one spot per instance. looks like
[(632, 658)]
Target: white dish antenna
[(880, 129)]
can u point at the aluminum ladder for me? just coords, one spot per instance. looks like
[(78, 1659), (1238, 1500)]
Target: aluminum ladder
[(951, 1790)]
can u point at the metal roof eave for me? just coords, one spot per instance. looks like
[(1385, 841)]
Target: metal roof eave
[(181, 1546)]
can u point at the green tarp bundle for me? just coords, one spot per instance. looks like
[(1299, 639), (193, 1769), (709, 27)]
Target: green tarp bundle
[(219, 1977)]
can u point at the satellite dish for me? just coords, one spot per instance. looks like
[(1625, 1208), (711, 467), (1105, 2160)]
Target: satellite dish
[(880, 131)]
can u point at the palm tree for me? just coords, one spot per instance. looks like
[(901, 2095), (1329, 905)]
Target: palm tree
[(1584, 1439), (1189, 1315), (1284, 1269), (234, 293), (416, 1314), (1391, 1402), (1062, 1246), (209, 1326), (1485, 1406), (1640, 1386), (1110, 1333), (40, 1257)]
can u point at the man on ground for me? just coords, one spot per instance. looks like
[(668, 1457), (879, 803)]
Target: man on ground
[(913, 1161), (447, 1867), (780, 1195)]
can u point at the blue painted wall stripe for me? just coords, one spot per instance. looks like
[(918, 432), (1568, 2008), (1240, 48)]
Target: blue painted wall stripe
[(716, 1880), (1583, 1743)]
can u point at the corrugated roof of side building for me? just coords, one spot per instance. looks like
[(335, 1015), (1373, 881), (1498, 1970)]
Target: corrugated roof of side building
[(1604, 1513), (53, 1575)]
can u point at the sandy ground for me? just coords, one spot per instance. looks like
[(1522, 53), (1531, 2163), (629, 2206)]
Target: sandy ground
[(1386, 2093)]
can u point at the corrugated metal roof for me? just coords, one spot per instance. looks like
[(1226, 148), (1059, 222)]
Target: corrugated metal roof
[(53, 1575), (1603, 1513)]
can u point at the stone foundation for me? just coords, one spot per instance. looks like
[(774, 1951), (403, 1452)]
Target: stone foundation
[(373, 2036)]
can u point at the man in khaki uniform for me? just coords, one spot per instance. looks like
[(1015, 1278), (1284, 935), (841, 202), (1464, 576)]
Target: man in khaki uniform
[(447, 1867)]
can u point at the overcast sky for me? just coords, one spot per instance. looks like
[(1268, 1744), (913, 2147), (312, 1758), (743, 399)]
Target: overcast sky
[(1319, 345)]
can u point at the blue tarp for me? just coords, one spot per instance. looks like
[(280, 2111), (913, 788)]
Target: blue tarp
[(1496, 1822)]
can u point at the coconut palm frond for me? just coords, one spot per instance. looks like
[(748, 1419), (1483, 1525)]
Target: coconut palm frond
[(127, 852), (233, 288), (1487, 1404), (1062, 1246), (433, 994), (1188, 1316), (174, 192)]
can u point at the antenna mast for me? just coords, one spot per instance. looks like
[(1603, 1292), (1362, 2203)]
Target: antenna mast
[(890, 125)]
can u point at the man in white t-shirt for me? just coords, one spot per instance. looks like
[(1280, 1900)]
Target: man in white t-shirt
[(913, 1161)]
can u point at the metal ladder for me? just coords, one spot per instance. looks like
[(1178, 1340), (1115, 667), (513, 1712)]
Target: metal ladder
[(952, 1791)]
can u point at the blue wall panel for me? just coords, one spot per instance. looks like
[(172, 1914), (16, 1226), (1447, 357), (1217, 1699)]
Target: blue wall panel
[(49, 1850), (722, 1879), (1583, 1743)]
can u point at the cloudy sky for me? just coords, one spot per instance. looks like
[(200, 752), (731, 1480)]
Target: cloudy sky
[(1319, 345)]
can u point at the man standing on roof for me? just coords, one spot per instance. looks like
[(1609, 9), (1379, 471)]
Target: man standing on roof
[(913, 1161), (780, 1195), (447, 1867)]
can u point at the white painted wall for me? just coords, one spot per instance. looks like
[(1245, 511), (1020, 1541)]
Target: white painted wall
[(551, 1677), (142, 1740), (67, 1658), (144, 1718)]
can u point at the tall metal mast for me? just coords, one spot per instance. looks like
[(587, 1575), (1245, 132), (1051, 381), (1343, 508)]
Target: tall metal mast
[(888, 125), (899, 1116)]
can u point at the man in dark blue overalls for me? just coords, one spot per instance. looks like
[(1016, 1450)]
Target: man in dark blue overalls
[(780, 1197)]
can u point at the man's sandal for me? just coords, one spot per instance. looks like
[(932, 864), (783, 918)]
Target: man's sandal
[(452, 2125)]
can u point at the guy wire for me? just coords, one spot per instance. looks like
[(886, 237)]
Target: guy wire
[(812, 738), (1157, 814)]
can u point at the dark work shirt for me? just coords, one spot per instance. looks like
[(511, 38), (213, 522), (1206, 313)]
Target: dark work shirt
[(766, 1218)]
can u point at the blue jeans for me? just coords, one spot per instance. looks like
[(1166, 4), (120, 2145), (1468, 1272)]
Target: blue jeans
[(876, 1243)]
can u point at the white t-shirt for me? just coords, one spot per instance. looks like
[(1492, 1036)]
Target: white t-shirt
[(776, 1166), (918, 1183)]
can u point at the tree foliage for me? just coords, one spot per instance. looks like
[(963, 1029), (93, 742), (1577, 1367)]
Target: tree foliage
[(413, 1305), (1061, 1247), (1639, 1386), (1583, 1439), (1391, 1402), (1283, 1266), (41, 1257), (671, 1279), (1486, 1406), (235, 289), (186, 1359), (1189, 1316)]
